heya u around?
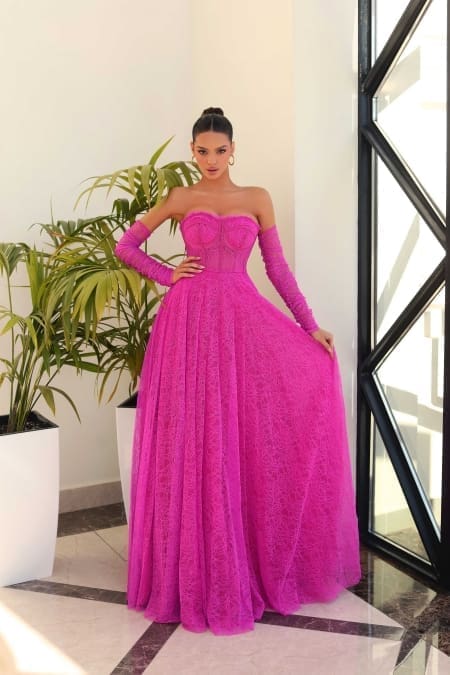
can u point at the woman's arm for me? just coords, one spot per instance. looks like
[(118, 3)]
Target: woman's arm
[(280, 275), (128, 246)]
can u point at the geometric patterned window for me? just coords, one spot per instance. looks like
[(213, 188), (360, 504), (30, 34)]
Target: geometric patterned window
[(403, 468)]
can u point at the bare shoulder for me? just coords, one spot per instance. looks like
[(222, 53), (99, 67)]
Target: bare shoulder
[(182, 198), (172, 206), (179, 198), (262, 206), (259, 194)]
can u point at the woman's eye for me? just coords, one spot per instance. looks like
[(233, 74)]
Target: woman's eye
[(222, 150), (201, 152)]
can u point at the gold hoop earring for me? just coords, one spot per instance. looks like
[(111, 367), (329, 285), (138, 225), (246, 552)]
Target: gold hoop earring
[(231, 163), (193, 158)]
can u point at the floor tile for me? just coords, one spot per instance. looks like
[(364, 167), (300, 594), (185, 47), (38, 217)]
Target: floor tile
[(76, 621), (438, 663), (24, 650), (92, 637), (87, 560), (117, 538), (271, 649), (348, 607), (413, 661), (391, 590)]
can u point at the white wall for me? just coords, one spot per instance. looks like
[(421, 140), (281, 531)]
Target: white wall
[(88, 87), (95, 86), (286, 74), (243, 62), (326, 175)]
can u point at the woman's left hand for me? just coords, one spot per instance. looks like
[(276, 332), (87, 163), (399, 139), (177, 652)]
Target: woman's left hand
[(325, 338)]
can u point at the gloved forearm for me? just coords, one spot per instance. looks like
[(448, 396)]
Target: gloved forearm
[(127, 249), (282, 278)]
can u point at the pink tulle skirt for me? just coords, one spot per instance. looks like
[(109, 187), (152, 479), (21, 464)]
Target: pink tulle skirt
[(242, 496)]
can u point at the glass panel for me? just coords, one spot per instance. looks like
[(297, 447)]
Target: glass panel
[(412, 379), (387, 13), (411, 103), (391, 517), (389, 587), (407, 251)]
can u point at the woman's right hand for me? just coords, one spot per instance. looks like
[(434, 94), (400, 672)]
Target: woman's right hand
[(188, 268)]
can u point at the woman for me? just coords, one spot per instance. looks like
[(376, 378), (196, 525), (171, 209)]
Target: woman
[(242, 498)]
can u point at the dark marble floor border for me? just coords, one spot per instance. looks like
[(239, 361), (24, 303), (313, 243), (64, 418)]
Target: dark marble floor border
[(155, 637), (290, 621), (142, 653), (87, 520), (72, 591), (341, 626)]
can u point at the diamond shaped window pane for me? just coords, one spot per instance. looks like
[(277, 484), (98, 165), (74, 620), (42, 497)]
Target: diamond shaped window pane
[(387, 14), (411, 103), (407, 251), (412, 379), (391, 517)]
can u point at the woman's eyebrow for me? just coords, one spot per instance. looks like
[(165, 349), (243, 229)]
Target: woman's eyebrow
[(200, 147)]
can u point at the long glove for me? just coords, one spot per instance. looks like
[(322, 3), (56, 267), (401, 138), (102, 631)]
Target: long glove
[(127, 249), (282, 278)]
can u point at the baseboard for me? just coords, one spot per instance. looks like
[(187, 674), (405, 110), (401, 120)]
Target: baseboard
[(74, 499)]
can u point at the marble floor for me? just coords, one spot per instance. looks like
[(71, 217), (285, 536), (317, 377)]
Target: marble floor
[(76, 621)]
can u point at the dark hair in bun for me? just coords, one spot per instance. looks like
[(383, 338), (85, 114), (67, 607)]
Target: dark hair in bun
[(212, 119)]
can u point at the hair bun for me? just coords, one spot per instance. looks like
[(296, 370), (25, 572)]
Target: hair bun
[(213, 119), (212, 111)]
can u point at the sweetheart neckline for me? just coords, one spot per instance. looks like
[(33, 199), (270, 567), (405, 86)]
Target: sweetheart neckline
[(219, 216)]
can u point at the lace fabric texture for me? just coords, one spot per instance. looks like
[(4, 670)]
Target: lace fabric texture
[(282, 278), (242, 496), (127, 249)]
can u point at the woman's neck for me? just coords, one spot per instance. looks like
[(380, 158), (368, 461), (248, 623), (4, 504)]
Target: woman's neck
[(221, 184)]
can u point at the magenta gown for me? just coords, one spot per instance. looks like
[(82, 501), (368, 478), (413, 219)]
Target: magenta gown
[(242, 496)]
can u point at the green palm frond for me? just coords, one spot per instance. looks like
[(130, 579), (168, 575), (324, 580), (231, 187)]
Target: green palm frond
[(38, 350), (146, 184), (88, 310)]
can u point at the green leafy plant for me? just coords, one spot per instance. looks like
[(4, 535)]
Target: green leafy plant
[(87, 309), (114, 305), (39, 348), (147, 185)]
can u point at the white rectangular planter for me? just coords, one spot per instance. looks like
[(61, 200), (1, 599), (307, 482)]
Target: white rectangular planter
[(29, 499), (125, 418)]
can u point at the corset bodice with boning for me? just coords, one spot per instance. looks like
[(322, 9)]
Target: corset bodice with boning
[(223, 242)]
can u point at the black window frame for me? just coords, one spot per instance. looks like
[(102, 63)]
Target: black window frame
[(370, 402)]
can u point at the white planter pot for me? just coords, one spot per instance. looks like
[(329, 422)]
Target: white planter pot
[(29, 501), (125, 417)]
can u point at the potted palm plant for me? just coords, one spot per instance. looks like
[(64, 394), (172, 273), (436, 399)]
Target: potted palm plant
[(113, 304), (29, 443)]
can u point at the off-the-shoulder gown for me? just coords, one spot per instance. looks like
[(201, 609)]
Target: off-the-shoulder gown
[(242, 497)]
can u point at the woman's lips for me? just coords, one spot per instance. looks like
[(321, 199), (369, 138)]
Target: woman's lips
[(212, 170)]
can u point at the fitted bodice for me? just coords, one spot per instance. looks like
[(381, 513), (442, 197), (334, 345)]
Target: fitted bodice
[(224, 243)]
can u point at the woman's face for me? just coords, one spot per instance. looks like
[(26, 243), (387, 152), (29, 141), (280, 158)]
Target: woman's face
[(212, 151)]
